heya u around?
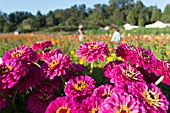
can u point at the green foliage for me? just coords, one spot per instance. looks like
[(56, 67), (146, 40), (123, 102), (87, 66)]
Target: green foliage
[(166, 14)]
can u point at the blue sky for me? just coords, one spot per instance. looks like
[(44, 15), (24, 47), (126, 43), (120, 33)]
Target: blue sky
[(45, 5)]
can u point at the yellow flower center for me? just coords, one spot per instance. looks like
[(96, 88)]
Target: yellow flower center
[(93, 46), (151, 98), (146, 56), (63, 109), (80, 85), (123, 109), (5, 69), (17, 54), (94, 110), (53, 63)]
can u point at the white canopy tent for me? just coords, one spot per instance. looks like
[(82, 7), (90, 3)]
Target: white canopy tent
[(129, 27), (157, 24)]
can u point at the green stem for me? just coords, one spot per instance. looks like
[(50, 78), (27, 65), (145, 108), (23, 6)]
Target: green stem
[(6, 97), (14, 98), (159, 80), (62, 79), (37, 64), (91, 67)]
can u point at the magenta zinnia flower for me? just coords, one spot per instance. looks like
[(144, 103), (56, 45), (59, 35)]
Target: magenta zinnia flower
[(21, 53), (120, 103), (150, 96), (146, 59), (126, 73), (63, 105), (10, 72), (164, 70), (80, 86), (93, 51), (38, 103), (56, 65), (109, 68), (91, 104), (126, 52), (41, 45), (106, 90), (47, 55)]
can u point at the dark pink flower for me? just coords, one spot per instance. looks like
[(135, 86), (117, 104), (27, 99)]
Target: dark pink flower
[(91, 104), (109, 68), (120, 103), (150, 96), (31, 79), (146, 59), (164, 70), (10, 72), (126, 52), (56, 65), (106, 90), (93, 51), (74, 70), (48, 85), (47, 55), (126, 73), (38, 103), (63, 105), (80, 86), (41, 45), (22, 53)]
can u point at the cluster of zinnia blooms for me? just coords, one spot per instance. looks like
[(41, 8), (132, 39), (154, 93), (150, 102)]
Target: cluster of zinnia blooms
[(34, 72), (128, 89), (52, 83), (145, 61)]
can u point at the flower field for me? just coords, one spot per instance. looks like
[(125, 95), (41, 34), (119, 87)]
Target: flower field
[(58, 74)]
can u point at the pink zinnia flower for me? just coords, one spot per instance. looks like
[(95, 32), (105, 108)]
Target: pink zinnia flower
[(126, 73), (146, 59), (106, 90), (41, 45), (22, 53), (80, 86), (47, 55), (56, 65), (63, 105), (126, 52), (10, 72), (150, 96), (109, 68), (38, 103), (91, 104), (120, 103), (93, 51), (164, 70)]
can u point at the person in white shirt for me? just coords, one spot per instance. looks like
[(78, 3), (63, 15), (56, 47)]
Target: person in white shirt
[(81, 32), (116, 37)]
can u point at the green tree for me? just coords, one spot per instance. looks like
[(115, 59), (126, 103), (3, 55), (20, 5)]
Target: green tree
[(28, 24), (141, 20), (131, 18), (156, 14), (166, 14)]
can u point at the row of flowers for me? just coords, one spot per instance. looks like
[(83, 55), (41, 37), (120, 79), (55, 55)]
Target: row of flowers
[(47, 81)]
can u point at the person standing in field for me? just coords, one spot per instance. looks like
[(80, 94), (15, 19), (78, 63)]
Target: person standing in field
[(81, 32), (116, 37)]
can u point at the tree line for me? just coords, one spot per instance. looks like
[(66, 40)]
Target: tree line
[(118, 12)]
